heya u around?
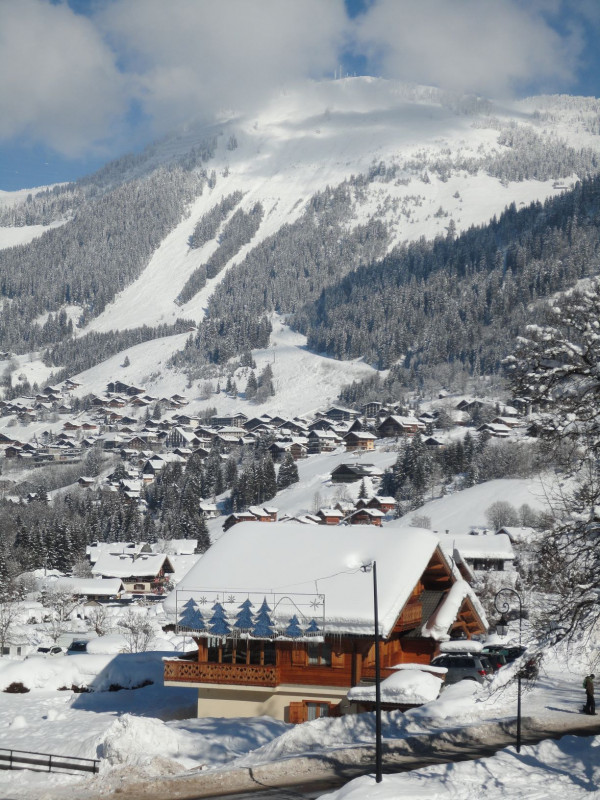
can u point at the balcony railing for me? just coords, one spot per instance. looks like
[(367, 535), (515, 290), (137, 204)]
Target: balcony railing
[(227, 674)]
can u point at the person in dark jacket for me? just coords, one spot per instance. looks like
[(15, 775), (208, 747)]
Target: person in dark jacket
[(590, 702)]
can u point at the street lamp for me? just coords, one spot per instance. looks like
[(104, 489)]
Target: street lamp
[(502, 604), (372, 567)]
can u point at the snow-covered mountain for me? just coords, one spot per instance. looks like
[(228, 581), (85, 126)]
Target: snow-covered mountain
[(415, 159)]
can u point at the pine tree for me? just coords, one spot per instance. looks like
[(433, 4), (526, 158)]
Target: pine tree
[(191, 617), (218, 623), (244, 620), (251, 386), (293, 629), (263, 626)]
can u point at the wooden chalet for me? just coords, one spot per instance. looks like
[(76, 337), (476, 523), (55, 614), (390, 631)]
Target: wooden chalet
[(385, 504), (330, 516), (142, 574), (359, 440), (394, 425), (348, 473), (294, 652), (366, 516)]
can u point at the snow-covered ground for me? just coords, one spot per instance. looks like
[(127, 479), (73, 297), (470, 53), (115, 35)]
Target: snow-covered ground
[(151, 731)]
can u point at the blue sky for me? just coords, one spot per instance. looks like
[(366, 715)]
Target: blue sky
[(86, 80)]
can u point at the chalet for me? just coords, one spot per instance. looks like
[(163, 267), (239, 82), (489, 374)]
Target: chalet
[(394, 425), (236, 421), (481, 553), (142, 574), (432, 442), (329, 516), (359, 440), (85, 482), (385, 504), (253, 514), (366, 516), (498, 431), (348, 473), (322, 441), (371, 409), (91, 590), (293, 652), (338, 414), (209, 510)]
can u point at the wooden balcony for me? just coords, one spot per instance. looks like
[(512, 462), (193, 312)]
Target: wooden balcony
[(183, 671)]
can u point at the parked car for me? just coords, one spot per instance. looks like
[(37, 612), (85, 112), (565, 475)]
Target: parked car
[(463, 667), (77, 646), (55, 650)]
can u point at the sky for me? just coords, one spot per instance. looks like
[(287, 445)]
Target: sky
[(84, 81)]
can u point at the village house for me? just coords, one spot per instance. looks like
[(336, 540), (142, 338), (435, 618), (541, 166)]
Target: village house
[(142, 574), (348, 473), (384, 504), (359, 440), (366, 516), (294, 652), (394, 426), (481, 553)]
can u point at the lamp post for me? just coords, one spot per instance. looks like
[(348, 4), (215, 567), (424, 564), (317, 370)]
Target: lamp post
[(502, 604), (372, 567)]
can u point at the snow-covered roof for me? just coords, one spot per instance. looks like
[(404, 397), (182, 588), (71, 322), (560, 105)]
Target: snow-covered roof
[(438, 625), (291, 558), (485, 546), (125, 566), (105, 587)]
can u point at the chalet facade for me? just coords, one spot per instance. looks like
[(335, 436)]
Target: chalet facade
[(359, 440), (394, 426), (141, 574), (293, 653), (348, 473)]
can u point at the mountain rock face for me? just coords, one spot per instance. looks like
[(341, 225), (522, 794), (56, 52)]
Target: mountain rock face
[(304, 213)]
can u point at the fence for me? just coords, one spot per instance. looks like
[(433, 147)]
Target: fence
[(46, 762)]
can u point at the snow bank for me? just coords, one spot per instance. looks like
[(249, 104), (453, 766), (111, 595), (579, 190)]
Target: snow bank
[(404, 686), (97, 672)]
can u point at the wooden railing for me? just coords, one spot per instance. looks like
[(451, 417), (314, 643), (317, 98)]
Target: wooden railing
[(231, 674)]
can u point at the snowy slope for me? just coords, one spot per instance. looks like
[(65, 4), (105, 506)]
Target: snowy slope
[(318, 135)]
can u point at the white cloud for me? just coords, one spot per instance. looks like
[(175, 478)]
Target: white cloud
[(59, 81), (189, 58), (68, 79), (469, 45)]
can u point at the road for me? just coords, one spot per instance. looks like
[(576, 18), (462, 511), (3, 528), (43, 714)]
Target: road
[(311, 775)]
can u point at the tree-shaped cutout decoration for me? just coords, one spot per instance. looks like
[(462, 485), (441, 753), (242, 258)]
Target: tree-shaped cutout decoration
[(218, 622), (313, 628), (263, 628), (191, 617), (244, 620), (293, 629)]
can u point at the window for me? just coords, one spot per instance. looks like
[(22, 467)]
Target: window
[(319, 655), (139, 587), (6, 651), (240, 651), (316, 710)]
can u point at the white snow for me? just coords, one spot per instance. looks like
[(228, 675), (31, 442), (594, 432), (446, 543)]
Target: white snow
[(304, 560)]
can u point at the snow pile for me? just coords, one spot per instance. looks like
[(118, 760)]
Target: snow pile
[(107, 645), (327, 733), (567, 768), (96, 672), (461, 646), (136, 740), (411, 687)]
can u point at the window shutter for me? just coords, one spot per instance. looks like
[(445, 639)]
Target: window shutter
[(337, 660), (297, 712), (299, 657)]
